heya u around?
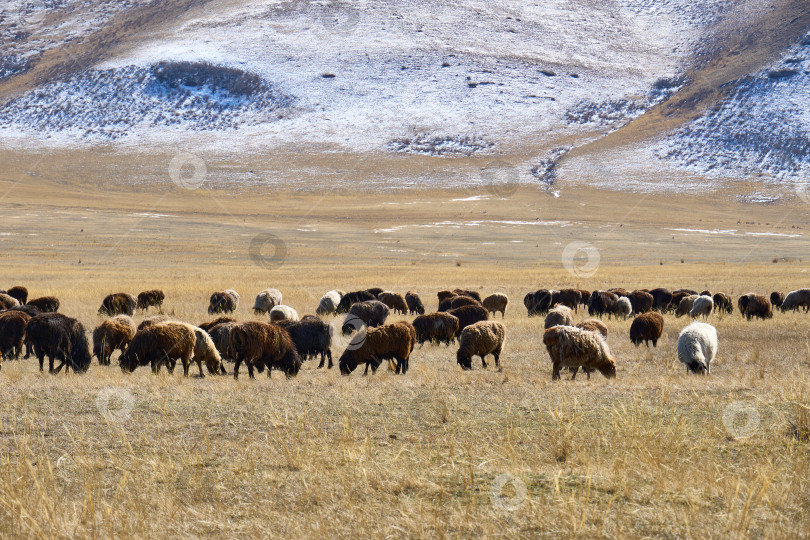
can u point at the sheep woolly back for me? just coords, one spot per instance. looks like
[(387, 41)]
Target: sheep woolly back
[(697, 346), (559, 316), (569, 346), (481, 338)]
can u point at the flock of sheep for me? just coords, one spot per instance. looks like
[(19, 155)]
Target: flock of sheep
[(287, 340)]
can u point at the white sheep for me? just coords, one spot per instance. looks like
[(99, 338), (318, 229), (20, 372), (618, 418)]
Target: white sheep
[(697, 347), (796, 299), (702, 307), (266, 300), (283, 313), (623, 307), (329, 303)]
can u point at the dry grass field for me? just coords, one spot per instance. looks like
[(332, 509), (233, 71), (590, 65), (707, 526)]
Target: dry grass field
[(437, 452)]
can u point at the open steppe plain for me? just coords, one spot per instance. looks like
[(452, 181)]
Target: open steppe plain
[(437, 452)]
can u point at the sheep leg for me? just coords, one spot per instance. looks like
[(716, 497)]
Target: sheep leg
[(237, 362), (329, 356), (497, 356), (41, 357), (483, 361), (199, 364), (222, 370), (575, 370), (322, 361), (555, 374), (250, 370)]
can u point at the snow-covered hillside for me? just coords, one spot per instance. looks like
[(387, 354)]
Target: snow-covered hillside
[(451, 79)]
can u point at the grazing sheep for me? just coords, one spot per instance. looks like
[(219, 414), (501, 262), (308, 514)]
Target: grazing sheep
[(622, 308), (221, 336), (572, 347), (283, 313), (12, 333), (26, 308), (150, 298), (114, 333), (647, 327), (444, 295), (566, 297), (373, 313), (602, 303), (459, 301), (559, 315), (539, 303), (584, 297), (153, 320), (676, 300), (311, 337), (662, 298), (481, 339), (697, 347), (436, 328), (160, 344), (7, 301), (755, 305), (19, 293), (619, 291), (685, 305), (266, 300), (702, 307), (45, 304), (777, 298), (118, 304), (205, 351), (394, 301), (415, 306), (593, 325), (264, 344), (796, 299), (375, 291), (328, 303), (348, 299), (722, 302), (58, 337), (466, 292), (468, 315), (496, 302), (641, 301), (207, 326), (223, 302), (387, 342)]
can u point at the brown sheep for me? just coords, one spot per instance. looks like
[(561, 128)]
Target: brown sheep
[(496, 302), (58, 337), (444, 295), (776, 299), (584, 296), (662, 298), (481, 339), (641, 301), (207, 326), (755, 305), (415, 305), (387, 342), (602, 303), (221, 336), (647, 327), (559, 315), (264, 344), (118, 304), (573, 347), (160, 344), (19, 293), (12, 333), (567, 297), (147, 299), (375, 291), (619, 291), (468, 315), (722, 302), (675, 301), (593, 325), (466, 292), (46, 304), (205, 351), (222, 302), (114, 333), (436, 328), (459, 301), (395, 301), (685, 305)]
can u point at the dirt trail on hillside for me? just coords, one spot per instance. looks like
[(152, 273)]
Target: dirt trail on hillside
[(742, 48), (62, 61)]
